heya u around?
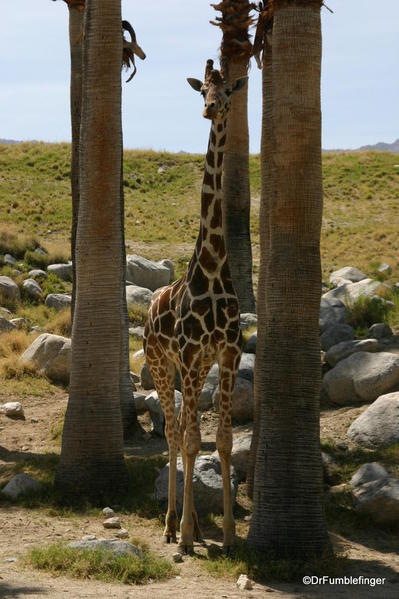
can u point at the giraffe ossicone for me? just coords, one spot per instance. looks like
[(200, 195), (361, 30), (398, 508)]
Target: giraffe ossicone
[(194, 322)]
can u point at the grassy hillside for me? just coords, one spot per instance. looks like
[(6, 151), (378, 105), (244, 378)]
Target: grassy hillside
[(361, 210)]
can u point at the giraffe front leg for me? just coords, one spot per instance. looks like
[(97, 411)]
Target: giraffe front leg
[(228, 364)]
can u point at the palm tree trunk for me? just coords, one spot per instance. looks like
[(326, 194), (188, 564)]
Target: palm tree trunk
[(266, 194), (288, 514), (236, 192), (76, 16), (92, 461)]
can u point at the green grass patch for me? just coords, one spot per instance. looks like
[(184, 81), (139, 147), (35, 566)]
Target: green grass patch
[(137, 314), (366, 311), (265, 568), (100, 565)]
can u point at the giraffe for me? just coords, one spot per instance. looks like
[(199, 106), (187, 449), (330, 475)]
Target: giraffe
[(195, 321)]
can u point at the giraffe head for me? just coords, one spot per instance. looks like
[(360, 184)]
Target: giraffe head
[(217, 90)]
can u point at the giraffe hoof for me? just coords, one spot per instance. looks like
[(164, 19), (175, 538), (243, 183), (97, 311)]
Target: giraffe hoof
[(186, 549)]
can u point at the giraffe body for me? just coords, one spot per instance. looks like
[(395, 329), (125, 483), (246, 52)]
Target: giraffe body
[(194, 322)]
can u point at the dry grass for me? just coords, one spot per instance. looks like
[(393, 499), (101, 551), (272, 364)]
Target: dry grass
[(60, 323), (12, 345)]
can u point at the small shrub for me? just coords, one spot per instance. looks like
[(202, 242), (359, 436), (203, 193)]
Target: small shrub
[(43, 259), (100, 565), (60, 323), (366, 311), (137, 314), (17, 245)]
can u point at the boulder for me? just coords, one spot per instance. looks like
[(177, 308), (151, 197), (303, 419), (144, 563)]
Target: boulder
[(50, 355), (343, 350), (351, 274), (378, 426), (336, 334), (367, 473), (9, 290), (63, 271), (6, 325), (332, 312), (20, 323), (352, 291), (146, 273), (138, 295), (114, 545), (13, 410), (139, 402), (248, 320), (378, 499), (385, 269), (32, 289), (250, 346), (207, 485), (210, 385), (243, 400), (112, 522), (240, 455), (168, 264), (58, 301), (136, 332), (37, 273), (362, 377), (380, 330), (20, 484), (10, 260), (246, 367)]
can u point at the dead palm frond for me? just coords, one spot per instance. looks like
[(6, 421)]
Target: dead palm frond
[(130, 49), (235, 21)]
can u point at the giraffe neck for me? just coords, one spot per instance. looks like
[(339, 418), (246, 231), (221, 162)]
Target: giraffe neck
[(211, 248)]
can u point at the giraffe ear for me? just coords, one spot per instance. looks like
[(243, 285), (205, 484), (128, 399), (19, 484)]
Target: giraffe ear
[(195, 84), (239, 84)]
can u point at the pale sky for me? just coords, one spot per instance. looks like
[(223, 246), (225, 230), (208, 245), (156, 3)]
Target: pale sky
[(360, 88)]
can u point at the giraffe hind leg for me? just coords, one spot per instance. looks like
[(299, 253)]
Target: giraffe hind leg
[(163, 373)]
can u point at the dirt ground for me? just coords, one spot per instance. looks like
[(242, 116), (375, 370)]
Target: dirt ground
[(21, 528)]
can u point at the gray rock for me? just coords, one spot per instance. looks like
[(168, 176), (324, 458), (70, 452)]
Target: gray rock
[(146, 273), (20, 484), (112, 522), (168, 264), (380, 330), (244, 583), (248, 320), (332, 312), (115, 546), (32, 289), (240, 455), (379, 499), (139, 402), (108, 512), (136, 332), (351, 274), (10, 260), (343, 350), (138, 295), (207, 485), (246, 367), (58, 301), (37, 273), (378, 426), (250, 346), (19, 323), (352, 292), (5, 311), (177, 558), (13, 410), (362, 377), (385, 269), (336, 334), (63, 271), (6, 325), (210, 385), (50, 355), (367, 473), (243, 400), (122, 533), (9, 290)]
